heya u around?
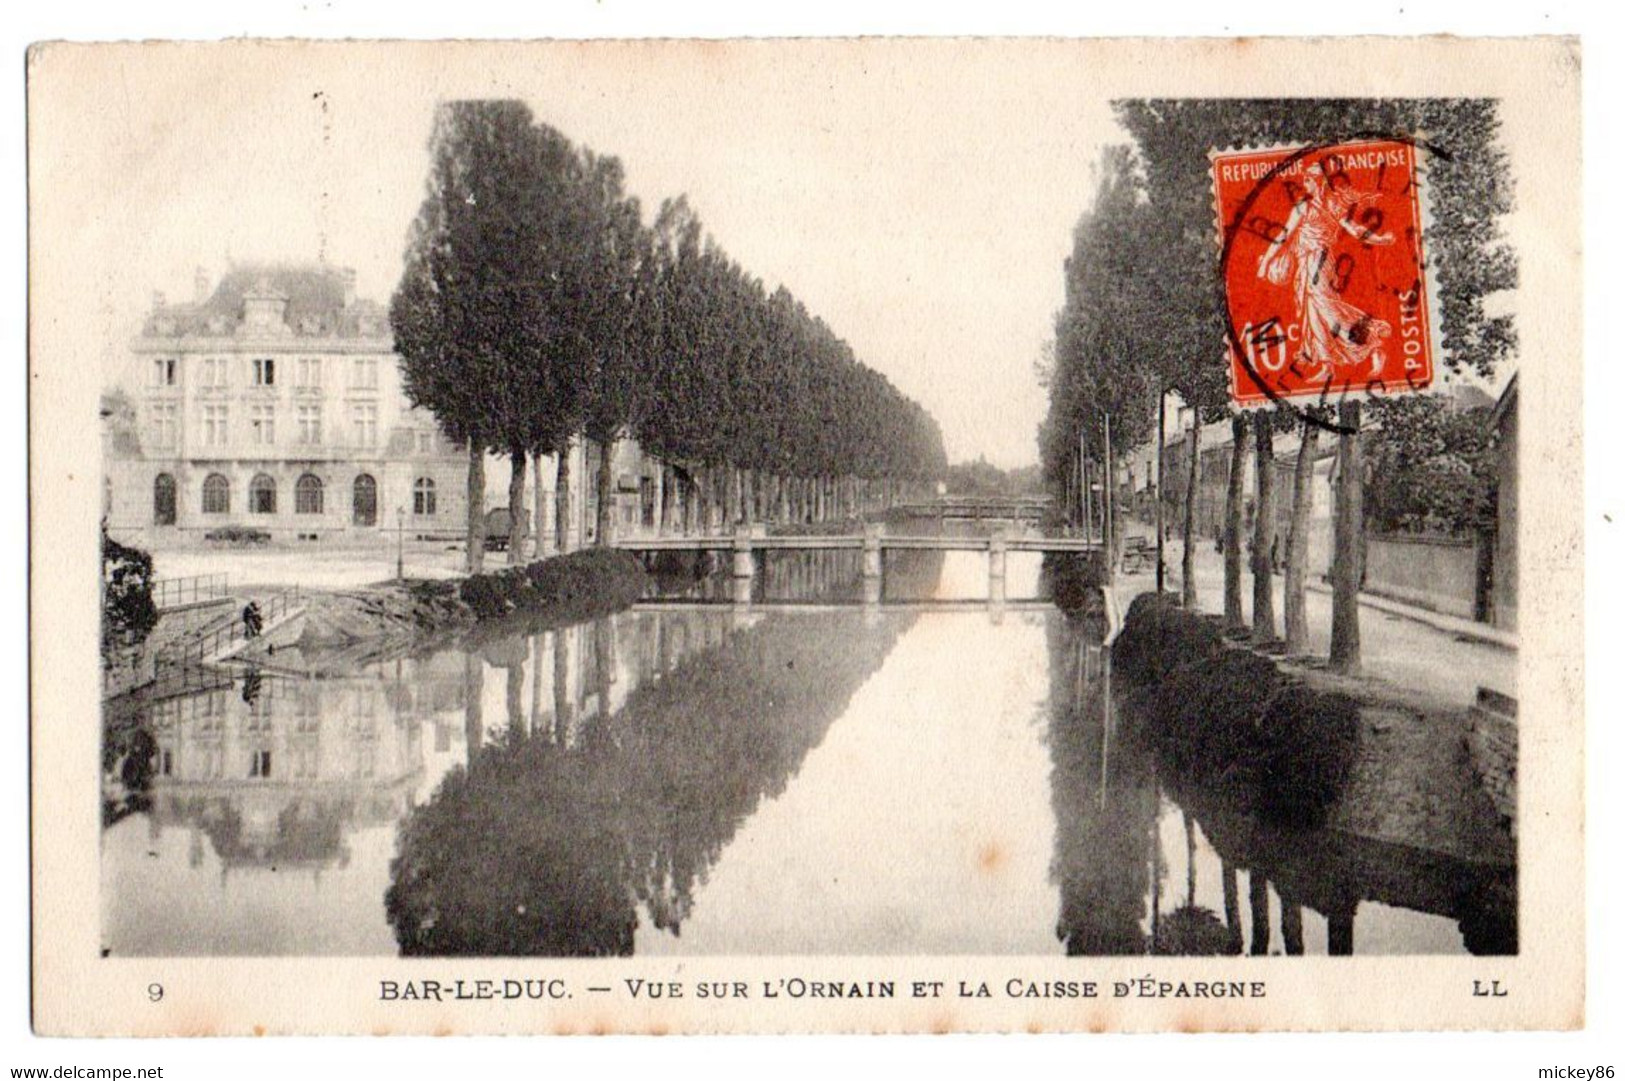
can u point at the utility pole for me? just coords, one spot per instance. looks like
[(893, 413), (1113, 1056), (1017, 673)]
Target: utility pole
[(1087, 487), (1108, 511), (1083, 480), (1162, 433)]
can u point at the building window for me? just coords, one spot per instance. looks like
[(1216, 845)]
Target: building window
[(214, 372), (262, 495), (307, 495), (423, 497), (310, 424), (308, 372), (364, 500), (364, 373), (165, 431), (259, 764), (264, 372), (214, 425), (216, 495), (107, 497), (163, 499), (364, 423), (425, 442), (262, 423), (163, 372)]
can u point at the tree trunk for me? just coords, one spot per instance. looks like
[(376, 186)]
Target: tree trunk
[(1263, 529), (606, 493), (1187, 558), (659, 523), (476, 508), (1233, 615), (516, 506), (539, 505), (1297, 541), (561, 500), (1346, 561)]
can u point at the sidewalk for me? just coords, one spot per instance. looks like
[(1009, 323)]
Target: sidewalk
[(1405, 645), (315, 567)]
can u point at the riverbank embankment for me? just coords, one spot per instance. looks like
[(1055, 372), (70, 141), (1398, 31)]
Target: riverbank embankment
[(1299, 746), (564, 589)]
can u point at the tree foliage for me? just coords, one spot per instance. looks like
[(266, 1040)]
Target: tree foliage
[(1430, 469), (1107, 343), (1466, 183), (128, 611), (536, 304)]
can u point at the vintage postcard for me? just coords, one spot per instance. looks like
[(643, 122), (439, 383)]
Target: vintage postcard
[(877, 535)]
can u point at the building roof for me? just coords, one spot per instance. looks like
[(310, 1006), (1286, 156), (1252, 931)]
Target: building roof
[(1465, 397), (320, 303), (1508, 402)]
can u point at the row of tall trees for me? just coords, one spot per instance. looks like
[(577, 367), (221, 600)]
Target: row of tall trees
[(538, 307), (1144, 316)]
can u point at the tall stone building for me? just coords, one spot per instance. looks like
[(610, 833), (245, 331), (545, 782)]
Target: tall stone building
[(273, 402)]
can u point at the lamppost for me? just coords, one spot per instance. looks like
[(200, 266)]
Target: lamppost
[(400, 544)]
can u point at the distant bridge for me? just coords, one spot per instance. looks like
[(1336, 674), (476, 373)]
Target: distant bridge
[(1026, 508), (872, 542)]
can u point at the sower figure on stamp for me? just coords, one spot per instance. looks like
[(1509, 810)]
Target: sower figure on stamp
[(1331, 332)]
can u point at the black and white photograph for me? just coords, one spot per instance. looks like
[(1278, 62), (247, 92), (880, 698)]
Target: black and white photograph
[(806, 535)]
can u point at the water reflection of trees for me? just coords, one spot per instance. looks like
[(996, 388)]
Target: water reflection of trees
[(559, 829), (1105, 806), (1109, 792)]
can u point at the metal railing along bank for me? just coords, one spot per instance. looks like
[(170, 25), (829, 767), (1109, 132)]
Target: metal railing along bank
[(212, 641), (193, 589)]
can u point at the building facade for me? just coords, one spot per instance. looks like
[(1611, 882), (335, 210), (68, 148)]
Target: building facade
[(273, 402)]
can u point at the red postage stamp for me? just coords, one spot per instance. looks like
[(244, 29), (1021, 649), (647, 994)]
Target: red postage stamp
[(1325, 293)]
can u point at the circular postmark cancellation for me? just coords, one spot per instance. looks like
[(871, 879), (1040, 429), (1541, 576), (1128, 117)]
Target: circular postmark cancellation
[(1326, 297)]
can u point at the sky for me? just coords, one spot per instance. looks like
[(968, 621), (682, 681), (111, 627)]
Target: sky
[(920, 199)]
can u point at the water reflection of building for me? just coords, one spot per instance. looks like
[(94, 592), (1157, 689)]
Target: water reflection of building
[(284, 769), (276, 771)]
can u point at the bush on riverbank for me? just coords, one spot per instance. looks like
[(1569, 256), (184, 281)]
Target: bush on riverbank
[(1074, 580), (1223, 716), (593, 580)]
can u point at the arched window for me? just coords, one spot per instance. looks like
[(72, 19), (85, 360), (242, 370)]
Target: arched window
[(262, 495), (307, 494), (163, 499), (216, 494), (364, 500), (423, 497)]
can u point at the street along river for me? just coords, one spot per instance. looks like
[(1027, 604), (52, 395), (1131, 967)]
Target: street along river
[(695, 776)]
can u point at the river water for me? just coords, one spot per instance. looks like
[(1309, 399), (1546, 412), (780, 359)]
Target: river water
[(693, 776)]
